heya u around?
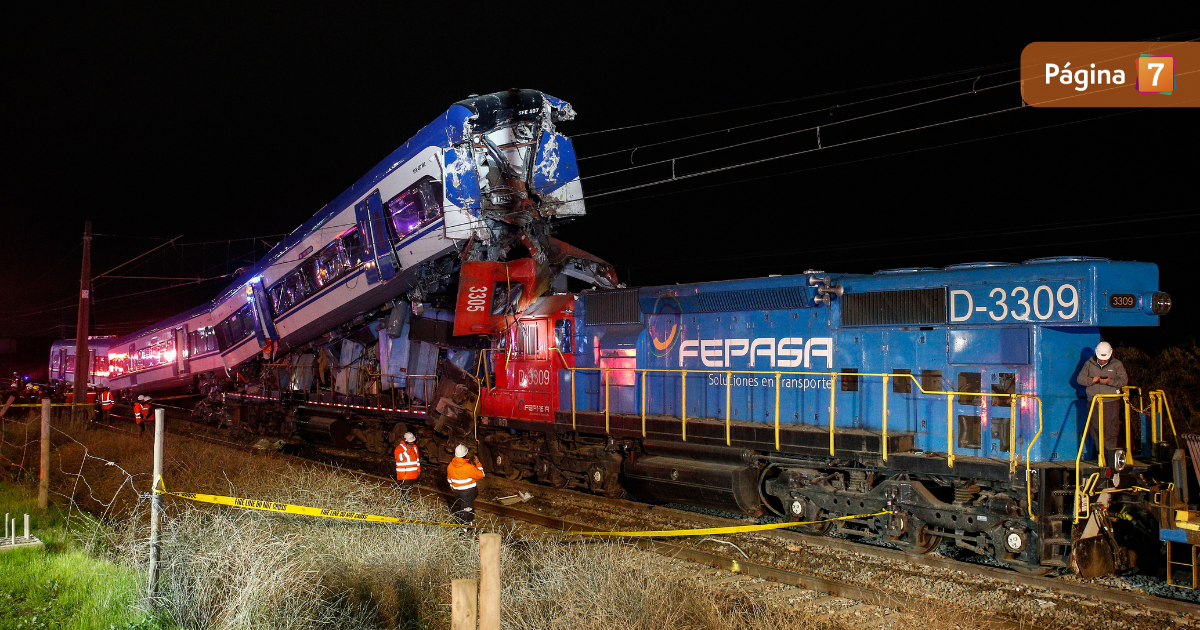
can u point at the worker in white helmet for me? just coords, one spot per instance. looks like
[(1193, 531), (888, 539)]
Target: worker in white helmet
[(408, 460), (1102, 374), (463, 477)]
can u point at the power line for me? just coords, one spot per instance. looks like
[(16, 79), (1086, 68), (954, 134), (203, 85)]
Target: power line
[(868, 159), (779, 118), (792, 100), (792, 133), (795, 153)]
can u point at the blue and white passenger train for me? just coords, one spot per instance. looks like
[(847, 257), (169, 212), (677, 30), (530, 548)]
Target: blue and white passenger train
[(489, 173)]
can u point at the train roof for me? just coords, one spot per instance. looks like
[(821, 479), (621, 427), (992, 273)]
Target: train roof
[(165, 324), (476, 112)]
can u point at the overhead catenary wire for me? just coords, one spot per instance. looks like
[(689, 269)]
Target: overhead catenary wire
[(786, 117), (849, 91), (868, 159), (817, 128)]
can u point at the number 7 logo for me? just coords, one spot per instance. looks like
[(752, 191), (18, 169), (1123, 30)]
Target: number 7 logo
[(1156, 74)]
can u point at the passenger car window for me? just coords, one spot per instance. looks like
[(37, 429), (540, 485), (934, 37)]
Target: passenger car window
[(415, 206)]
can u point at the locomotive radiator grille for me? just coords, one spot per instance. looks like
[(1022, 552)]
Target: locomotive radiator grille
[(612, 307), (895, 308)]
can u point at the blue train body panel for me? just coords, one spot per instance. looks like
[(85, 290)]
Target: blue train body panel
[(987, 327)]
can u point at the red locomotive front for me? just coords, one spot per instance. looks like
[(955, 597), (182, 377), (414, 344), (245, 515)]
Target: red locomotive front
[(526, 362)]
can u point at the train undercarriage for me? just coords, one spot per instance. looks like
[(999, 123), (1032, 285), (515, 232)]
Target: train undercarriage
[(911, 501)]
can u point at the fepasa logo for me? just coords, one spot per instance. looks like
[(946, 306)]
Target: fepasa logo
[(665, 325), (764, 352)]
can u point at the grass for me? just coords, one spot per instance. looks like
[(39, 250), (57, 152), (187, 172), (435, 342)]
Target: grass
[(226, 568), (63, 586)]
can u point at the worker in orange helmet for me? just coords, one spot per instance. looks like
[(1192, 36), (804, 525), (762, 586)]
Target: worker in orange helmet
[(408, 460), (106, 403), (139, 414), (463, 476)]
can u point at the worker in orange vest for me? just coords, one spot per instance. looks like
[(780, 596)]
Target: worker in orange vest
[(106, 403), (91, 401), (139, 414), (408, 460), (148, 416), (463, 476)]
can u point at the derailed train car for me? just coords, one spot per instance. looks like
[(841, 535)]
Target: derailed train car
[(945, 398), (480, 185)]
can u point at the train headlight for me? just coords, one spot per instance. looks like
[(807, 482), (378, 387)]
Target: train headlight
[(1157, 303)]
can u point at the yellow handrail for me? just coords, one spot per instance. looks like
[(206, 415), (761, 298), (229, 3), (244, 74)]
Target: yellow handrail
[(728, 401), (643, 403), (885, 417), (950, 430), (1096, 400), (832, 411), (950, 457), (1165, 406), (778, 380)]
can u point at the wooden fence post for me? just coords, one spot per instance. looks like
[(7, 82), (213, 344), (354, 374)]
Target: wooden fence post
[(44, 472), (489, 582), (462, 604), (156, 499)]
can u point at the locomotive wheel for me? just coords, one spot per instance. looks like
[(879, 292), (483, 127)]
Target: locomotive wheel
[(513, 475), (800, 509), (918, 540)]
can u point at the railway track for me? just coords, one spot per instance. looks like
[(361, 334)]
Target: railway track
[(828, 598)]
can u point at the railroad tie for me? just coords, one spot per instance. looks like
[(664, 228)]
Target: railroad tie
[(790, 592), (737, 577), (828, 599)]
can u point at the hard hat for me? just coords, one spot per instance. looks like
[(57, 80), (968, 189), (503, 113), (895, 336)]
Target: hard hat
[(142, 398), (1103, 351), (410, 438), (148, 399), (460, 450)]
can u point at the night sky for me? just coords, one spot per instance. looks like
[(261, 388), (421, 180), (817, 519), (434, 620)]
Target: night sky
[(231, 125)]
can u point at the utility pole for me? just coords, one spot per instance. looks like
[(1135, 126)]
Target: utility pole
[(83, 360)]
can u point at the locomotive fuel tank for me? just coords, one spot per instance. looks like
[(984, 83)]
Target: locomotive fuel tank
[(727, 482), (324, 429)]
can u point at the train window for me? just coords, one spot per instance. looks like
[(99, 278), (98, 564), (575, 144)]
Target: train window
[(329, 264), (415, 206), (1000, 434), (969, 432), (527, 339), (352, 246), (931, 380), (235, 328), (70, 363), (1006, 383), (901, 383), (563, 338), (969, 382), (849, 381)]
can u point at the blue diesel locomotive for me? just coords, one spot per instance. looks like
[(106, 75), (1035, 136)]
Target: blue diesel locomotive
[(945, 397)]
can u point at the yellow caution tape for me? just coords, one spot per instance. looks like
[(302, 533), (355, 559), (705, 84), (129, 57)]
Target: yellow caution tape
[(83, 404), (287, 508), (736, 529)]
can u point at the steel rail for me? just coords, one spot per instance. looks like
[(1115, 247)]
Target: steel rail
[(1103, 593)]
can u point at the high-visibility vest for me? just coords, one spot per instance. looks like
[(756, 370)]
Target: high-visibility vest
[(91, 396), (408, 462), (106, 400), (138, 412), (462, 474)]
